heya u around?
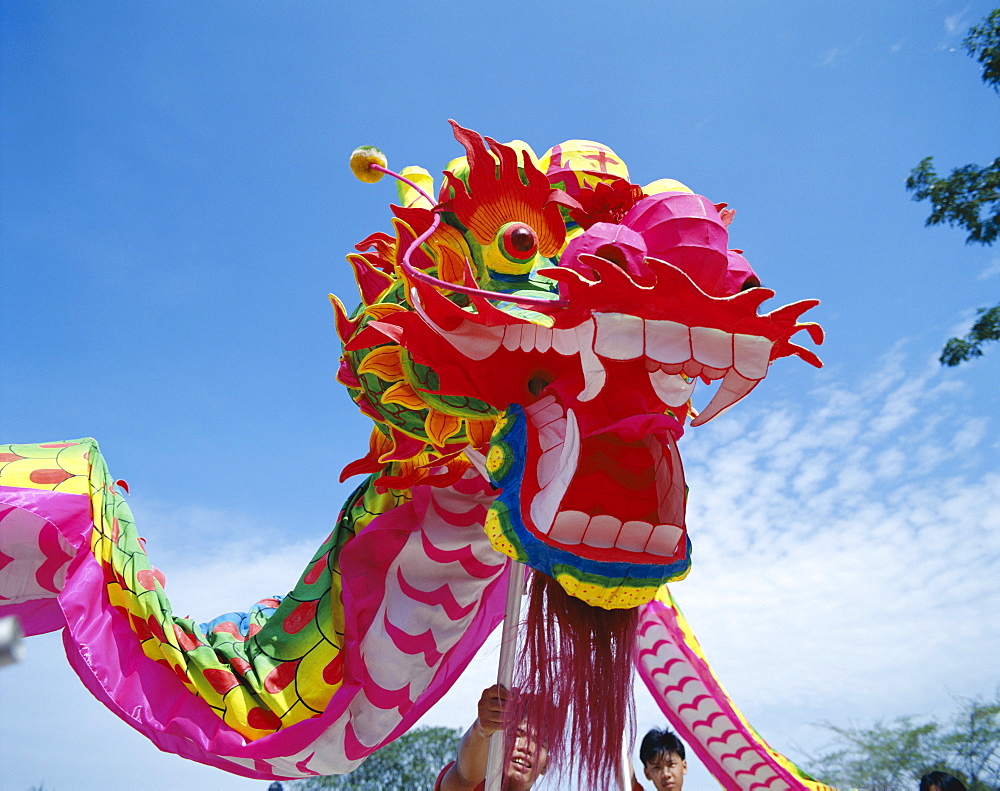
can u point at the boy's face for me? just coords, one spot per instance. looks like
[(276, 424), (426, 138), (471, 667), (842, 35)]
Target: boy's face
[(528, 760), (667, 771)]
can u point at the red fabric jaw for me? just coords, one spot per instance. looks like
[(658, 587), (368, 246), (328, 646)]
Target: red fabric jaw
[(604, 483)]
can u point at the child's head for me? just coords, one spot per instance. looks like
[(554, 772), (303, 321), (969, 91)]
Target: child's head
[(940, 781), (662, 756)]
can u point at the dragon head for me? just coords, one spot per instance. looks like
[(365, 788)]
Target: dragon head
[(546, 321)]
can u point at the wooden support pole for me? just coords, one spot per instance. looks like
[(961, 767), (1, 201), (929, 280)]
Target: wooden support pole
[(505, 671)]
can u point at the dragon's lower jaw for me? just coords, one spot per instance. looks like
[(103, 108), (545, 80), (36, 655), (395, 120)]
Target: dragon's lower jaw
[(604, 497), (602, 513)]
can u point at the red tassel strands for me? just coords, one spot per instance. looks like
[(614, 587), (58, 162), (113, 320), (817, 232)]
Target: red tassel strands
[(574, 680)]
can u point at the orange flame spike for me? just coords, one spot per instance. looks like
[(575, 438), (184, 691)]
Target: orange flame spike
[(497, 194)]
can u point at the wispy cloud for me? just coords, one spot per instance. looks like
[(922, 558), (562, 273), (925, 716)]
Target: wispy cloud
[(992, 270), (956, 24), (833, 55), (216, 561), (955, 27), (836, 541), (829, 57)]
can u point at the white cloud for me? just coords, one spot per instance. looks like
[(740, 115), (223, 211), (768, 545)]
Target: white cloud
[(829, 57), (833, 567), (955, 24), (217, 562), (992, 270)]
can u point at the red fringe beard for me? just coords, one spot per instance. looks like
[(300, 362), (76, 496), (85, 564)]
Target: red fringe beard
[(574, 679)]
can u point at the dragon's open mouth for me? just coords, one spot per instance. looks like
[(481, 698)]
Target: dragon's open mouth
[(616, 494)]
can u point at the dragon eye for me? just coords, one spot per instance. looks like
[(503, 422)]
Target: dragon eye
[(518, 241)]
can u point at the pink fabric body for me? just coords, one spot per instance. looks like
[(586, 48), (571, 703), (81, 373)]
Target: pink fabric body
[(106, 654)]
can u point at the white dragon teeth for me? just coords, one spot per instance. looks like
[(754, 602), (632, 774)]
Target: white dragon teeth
[(711, 347), (668, 347), (667, 341), (549, 421), (543, 338), (601, 531), (512, 337), (752, 355), (544, 411), (557, 465), (569, 527), (733, 388), (528, 337), (605, 531), (565, 342), (672, 389), (671, 348), (634, 535), (664, 540), (619, 336), (594, 375)]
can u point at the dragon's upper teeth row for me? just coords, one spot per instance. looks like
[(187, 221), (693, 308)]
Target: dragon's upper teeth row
[(670, 349), (620, 336), (694, 351)]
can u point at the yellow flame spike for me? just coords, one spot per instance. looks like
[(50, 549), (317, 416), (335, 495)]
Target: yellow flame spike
[(452, 266), (410, 197), (384, 362), (440, 427), (382, 310), (401, 393), (479, 431)]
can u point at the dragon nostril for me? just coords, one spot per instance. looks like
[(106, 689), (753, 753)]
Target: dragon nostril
[(614, 254), (538, 383), (750, 282)]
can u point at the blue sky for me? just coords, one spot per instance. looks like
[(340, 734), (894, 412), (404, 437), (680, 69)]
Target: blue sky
[(176, 205)]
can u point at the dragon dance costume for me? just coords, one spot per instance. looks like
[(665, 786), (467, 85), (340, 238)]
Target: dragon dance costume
[(527, 346)]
